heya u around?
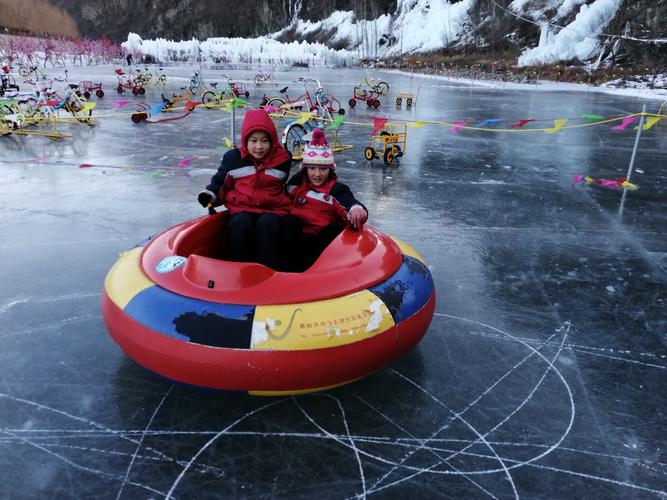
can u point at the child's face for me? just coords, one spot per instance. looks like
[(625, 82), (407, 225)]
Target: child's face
[(258, 145), (318, 175)]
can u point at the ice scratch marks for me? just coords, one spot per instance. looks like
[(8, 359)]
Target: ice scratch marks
[(141, 440), (584, 349), (79, 466), (99, 431), (51, 326), (564, 330), (375, 487), (32, 300), (482, 437), (459, 416), (349, 438), (213, 440)]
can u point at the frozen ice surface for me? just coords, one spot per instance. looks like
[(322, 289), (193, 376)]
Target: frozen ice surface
[(532, 381)]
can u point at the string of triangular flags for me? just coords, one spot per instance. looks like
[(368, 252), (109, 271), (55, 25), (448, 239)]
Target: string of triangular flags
[(484, 125)]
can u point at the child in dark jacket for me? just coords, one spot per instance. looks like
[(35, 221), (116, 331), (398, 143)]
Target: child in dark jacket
[(250, 183), (321, 206)]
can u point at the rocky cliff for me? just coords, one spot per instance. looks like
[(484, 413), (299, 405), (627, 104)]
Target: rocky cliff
[(636, 33), (185, 19)]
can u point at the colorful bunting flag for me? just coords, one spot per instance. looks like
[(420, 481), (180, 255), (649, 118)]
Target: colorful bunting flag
[(627, 121), (337, 122), (558, 124), (488, 121), (304, 117), (582, 179), (235, 103), (157, 109), (416, 124), (592, 118), (378, 123), (186, 161), (627, 184), (457, 126), (618, 183), (119, 104), (86, 165), (608, 183), (521, 123), (650, 121)]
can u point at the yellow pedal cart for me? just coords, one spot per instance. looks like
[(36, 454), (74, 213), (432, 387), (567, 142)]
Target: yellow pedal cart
[(390, 142), (409, 99)]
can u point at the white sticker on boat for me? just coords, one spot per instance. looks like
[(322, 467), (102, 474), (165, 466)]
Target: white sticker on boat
[(376, 316), (260, 333), (168, 264)]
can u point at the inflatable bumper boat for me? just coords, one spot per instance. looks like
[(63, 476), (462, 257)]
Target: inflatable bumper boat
[(177, 309)]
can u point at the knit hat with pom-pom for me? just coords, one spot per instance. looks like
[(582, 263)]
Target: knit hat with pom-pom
[(317, 152)]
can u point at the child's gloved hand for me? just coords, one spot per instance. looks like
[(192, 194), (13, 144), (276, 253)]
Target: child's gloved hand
[(357, 216), (206, 198)]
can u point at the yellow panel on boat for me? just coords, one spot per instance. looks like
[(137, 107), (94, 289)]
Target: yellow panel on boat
[(408, 250), (126, 279), (320, 324)]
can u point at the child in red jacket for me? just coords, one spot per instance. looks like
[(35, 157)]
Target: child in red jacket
[(321, 206), (250, 183)]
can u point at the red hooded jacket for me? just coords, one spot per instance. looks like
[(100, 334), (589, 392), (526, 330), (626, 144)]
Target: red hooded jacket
[(318, 207), (245, 184)]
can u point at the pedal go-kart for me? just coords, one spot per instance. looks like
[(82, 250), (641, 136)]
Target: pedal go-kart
[(390, 142)]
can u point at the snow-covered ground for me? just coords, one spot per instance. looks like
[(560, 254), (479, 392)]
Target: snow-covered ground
[(640, 90)]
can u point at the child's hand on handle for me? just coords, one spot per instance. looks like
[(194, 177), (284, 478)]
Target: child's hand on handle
[(357, 216), (206, 198)]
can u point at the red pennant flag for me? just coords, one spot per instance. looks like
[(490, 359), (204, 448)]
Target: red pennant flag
[(521, 123), (457, 126), (184, 163), (378, 123)]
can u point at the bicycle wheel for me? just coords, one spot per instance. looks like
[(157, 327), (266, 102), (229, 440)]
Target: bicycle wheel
[(277, 102), (210, 99), (23, 71), (382, 87), (294, 138), (258, 80)]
